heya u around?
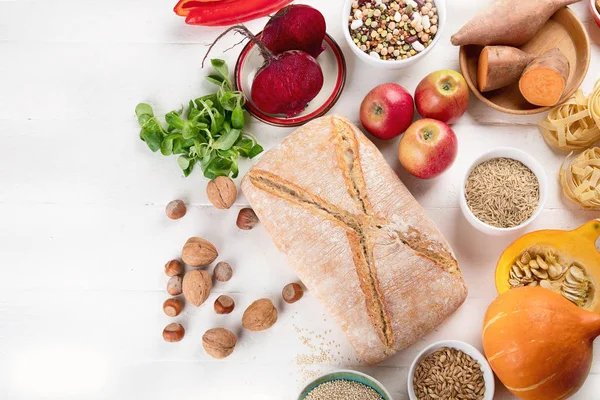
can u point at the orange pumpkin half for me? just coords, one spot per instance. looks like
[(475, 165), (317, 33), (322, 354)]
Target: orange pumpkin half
[(538, 343), (578, 246)]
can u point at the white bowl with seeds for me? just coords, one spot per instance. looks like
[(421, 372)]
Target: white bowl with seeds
[(503, 191), (450, 369), (379, 48)]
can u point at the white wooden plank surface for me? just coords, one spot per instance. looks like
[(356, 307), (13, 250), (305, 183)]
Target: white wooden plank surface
[(84, 235)]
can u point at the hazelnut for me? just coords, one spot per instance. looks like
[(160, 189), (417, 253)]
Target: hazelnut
[(172, 307), (260, 315), (173, 332), (247, 219), (173, 268), (175, 209), (196, 286), (223, 272), (224, 305), (219, 342), (198, 252), (221, 192), (292, 292), (174, 286)]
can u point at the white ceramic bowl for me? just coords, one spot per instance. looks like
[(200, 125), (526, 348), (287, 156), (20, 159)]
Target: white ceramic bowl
[(395, 64), (528, 161), (347, 375), (488, 375)]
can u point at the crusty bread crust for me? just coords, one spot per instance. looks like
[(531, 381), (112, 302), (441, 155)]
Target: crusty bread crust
[(355, 236)]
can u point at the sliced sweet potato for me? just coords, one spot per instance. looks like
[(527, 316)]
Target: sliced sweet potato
[(500, 66), (544, 80)]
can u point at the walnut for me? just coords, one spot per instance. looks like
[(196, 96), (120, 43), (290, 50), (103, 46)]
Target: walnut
[(219, 342), (198, 252), (221, 192), (196, 286), (260, 315)]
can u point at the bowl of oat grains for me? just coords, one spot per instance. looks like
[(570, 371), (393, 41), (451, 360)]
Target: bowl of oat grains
[(393, 34), (344, 385), (504, 190), (450, 369)]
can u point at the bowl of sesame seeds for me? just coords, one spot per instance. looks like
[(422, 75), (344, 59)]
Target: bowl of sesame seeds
[(393, 34), (345, 385)]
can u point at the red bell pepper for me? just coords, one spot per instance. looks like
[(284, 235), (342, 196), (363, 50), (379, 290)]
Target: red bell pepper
[(183, 7), (230, 13)]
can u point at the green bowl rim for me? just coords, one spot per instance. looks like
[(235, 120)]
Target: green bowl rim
[(347, 375)]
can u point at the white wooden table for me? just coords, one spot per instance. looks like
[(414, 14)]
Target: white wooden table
[(83, 235)]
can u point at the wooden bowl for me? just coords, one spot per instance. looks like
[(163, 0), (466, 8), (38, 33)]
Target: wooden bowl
[(564, 31)]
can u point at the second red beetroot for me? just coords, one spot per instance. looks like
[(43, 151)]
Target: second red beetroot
[(295, 27)]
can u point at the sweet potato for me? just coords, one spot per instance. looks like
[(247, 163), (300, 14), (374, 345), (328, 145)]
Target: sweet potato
[(500, 66), (544, 80), (508, 22)]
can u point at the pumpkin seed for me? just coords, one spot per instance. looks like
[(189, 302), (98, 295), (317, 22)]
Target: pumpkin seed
[(517, 271), (540, 273), (546, 285), (547, 269), (571, 280), (573, 291), (541, 263), (574, 299), (553, 272), (577, 273)]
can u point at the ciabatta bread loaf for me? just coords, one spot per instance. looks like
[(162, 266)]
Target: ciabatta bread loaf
[(355, 236)]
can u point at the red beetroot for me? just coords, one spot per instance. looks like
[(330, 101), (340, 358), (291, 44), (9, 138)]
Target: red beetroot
[(286, 82), (295, 27)]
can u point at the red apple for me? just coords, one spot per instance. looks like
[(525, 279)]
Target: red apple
[(442, 95), (428, 148), (387, 111)]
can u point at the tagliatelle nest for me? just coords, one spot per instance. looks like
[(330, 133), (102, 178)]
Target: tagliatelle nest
[(594, 104), (580, 180), (575, 124)]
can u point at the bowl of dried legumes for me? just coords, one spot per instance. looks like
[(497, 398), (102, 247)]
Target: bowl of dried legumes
[(393, 34), (344, 385), (450, 369), (503, 191)]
